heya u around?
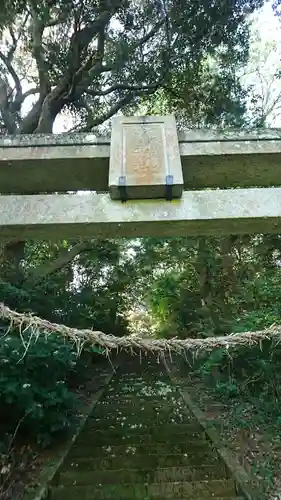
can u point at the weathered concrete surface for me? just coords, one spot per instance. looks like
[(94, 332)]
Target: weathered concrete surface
[(213, 212), (144, 151), (55, 163)]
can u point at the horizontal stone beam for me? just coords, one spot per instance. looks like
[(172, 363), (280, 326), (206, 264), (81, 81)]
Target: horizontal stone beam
[(210, 159), (209, 212)]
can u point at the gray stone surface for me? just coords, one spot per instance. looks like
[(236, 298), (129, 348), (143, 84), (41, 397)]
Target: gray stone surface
[(144, 152), (210, 159), (214, 212)]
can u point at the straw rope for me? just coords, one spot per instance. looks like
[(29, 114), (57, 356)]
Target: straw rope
[(36, 326)]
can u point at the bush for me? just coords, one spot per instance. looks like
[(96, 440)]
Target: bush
[(34, 385), (253, 372)]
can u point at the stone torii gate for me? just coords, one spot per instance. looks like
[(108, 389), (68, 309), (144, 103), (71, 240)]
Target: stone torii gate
[(147, 180)]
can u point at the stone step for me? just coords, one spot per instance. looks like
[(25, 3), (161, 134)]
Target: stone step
[(144, 389), (141, 434), (78, 459), (82, 477), (129, 437), (125, 421), (130, 421), (197, 498), (117, 398), (105, 407), (76, 495), (153, 400), (140, 410), (143, 411), (205, 489), (137, 379), (193, 447), (141, 370), (153, 491), (142, 443)]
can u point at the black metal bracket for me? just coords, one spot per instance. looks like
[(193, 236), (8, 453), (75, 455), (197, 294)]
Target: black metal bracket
[(122, 188), (169, 187)]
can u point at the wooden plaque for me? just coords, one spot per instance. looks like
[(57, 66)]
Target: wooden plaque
[(145, 158)]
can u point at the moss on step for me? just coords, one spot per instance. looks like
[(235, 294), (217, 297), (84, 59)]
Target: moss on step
[(82, 477), (140, 491), (140, 412), (204, 489), (140, 461), (171, 433), (141, 443)]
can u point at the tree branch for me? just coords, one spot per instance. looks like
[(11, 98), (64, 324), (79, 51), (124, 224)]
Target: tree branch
[(37, 30), (63, 259), (99, 69), (54, 100), (15, 39), (8, 63), (7, 60), (62, 18), (32, 91), (71, 88), (122, 86), (112, 111), (7, 115), (81, 39), (115, 66), (42, 116), (30, 121)]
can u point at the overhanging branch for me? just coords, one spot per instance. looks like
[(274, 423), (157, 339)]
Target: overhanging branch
[(7, 62), (123, 86), (115, 66), (6, 113), (111, 112), (37, 30), (63, 259)]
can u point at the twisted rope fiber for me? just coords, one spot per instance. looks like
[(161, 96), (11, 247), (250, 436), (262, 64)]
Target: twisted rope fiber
[(36, 326)]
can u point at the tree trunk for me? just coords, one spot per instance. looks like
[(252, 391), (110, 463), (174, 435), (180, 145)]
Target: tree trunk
[(205, 285), (11, 258), (39, 120)]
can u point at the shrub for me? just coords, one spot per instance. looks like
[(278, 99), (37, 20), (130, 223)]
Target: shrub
[(34, 391)]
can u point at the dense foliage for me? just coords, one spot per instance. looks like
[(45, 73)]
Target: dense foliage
[(34, 387)]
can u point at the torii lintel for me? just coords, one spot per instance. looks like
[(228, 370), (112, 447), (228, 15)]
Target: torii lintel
[(173, 183)]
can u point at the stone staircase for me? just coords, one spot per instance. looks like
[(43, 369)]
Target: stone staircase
[(141, 443)]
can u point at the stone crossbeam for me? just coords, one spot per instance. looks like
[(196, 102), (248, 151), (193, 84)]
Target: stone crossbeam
[(210, 159), (213, 212)]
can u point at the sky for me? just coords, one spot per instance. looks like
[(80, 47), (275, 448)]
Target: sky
[(268, 23)]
